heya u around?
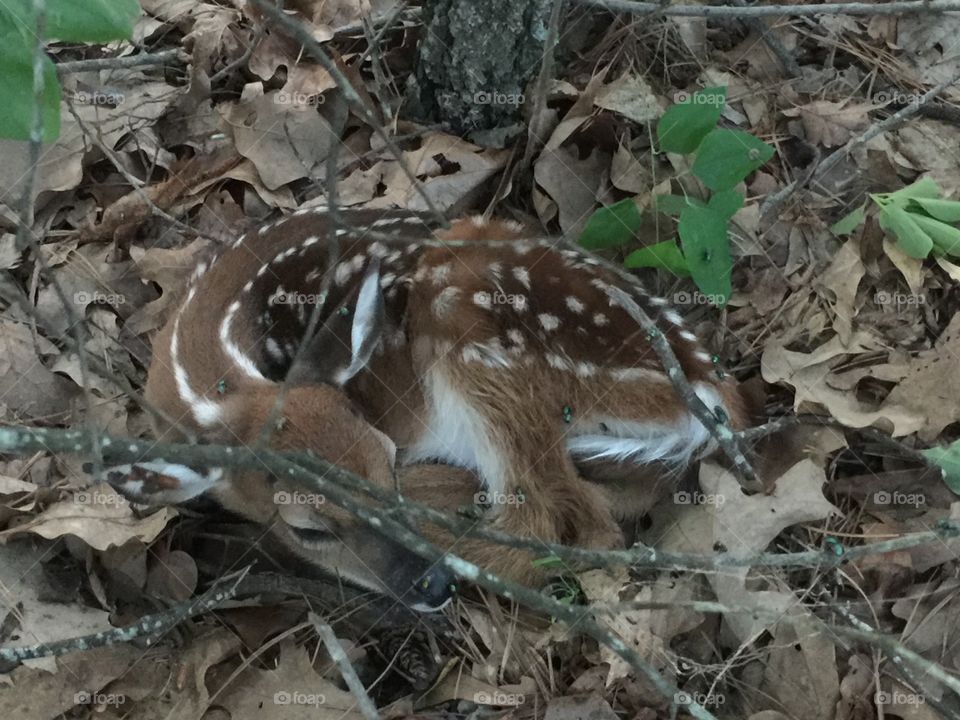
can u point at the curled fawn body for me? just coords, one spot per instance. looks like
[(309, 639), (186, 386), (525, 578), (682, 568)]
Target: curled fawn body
[(508, 359)]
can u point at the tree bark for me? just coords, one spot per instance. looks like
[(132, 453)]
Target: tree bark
[(476, 58)]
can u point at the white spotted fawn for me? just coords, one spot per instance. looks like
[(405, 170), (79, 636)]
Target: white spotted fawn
[(507, 359)]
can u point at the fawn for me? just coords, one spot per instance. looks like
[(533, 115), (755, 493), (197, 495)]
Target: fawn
[(505, 358)]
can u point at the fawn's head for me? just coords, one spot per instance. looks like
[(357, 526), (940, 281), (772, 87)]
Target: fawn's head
[(228, 402)]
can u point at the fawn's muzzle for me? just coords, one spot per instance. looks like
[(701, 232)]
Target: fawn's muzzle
[(433, 590)]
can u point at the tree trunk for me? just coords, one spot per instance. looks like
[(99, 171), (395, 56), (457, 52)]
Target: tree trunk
[(476, 58)]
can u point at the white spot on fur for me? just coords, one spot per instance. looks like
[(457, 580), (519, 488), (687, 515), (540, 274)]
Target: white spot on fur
[(599, 319), (444, 302), (672, 317), (440, 274), (700, 355), (574, 304), (523, 276), (548, 321), (687, 335), (655, 300), (274, 350)]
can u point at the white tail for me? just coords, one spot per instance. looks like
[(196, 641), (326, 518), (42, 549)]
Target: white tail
[(507, 359)]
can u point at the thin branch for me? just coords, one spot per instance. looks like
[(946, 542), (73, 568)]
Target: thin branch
[(852, 8), (341, 487), (122, 63), (725, 437), (148, 627), (768, 36), (335, 650)]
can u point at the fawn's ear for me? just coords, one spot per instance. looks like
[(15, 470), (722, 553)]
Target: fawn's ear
[(369, 319), (159, 482)]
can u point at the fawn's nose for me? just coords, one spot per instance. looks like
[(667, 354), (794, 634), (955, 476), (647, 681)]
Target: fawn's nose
[(433, 590)]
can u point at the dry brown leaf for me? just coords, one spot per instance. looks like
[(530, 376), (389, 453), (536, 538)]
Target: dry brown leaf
[(28, 388), (292, 690), (100, 517), (842, 278), (286, 140), (831, 124), (578, 707), (572, 183), (630, 96), (169, 269)]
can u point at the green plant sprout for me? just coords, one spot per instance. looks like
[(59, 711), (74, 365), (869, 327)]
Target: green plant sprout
[(66, 20), (918, 216), (721, 159)]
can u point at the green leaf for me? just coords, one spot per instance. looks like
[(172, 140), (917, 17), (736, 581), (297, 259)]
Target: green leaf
[(948, 459), (726, 157), (706, 248), (16, 89), (848, 223), (911, 237), (664, 255), (611, 226), (945, 237), (684, 125), (945, 210), (74, 20), (675, 204), (925, 187), (726, 203)]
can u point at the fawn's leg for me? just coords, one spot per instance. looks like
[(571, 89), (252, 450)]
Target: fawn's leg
[(491, 420)]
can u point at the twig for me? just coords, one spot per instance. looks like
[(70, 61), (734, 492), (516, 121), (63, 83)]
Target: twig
[(148, 627), (853, 8), (335, 650), (340, 487), (122, 63), (537, 129), (302, 35), (725, 437)]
